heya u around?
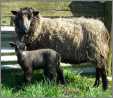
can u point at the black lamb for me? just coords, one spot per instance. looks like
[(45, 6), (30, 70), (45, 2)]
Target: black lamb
[(46, 59)]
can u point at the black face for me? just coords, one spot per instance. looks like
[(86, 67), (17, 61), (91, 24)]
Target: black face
[(18, 45), (21, 46), (23, 19)]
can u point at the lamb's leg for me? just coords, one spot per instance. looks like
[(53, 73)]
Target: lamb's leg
[(28, 76), (97, 80), (50, 74), (60, 76)]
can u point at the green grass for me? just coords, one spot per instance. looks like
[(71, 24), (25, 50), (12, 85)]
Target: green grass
[(46, 8), (8, 54), (77, 85), (5, 20), (8, 6)]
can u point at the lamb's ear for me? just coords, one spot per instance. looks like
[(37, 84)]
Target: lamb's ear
[(14, 12), (35, 13), (12, 44), (25, 48)]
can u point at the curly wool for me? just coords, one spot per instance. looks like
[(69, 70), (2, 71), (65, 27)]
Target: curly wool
[(76, 39)]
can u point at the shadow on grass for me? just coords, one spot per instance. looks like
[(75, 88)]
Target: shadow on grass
[(13, 78)]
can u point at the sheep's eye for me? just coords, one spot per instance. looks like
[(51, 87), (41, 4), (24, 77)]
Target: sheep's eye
[(29, 16)]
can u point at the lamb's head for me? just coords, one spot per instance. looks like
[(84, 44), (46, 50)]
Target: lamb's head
[(18, 45), (23, 19)]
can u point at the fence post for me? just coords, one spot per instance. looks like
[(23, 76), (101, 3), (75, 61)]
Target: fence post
[(108, 22), (12, 21)]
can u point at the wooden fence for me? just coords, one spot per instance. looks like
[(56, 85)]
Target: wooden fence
[(61, 8)]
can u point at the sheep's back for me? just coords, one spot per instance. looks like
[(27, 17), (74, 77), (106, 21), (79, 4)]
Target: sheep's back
[(73, 39)]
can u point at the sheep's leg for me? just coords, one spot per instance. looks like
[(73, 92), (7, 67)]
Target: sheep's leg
[(97, 77), (100, 72), (60, 76), (103, 73), (104, 78)]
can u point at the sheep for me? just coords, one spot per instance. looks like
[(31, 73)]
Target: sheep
[(77, 40), (46, 59)]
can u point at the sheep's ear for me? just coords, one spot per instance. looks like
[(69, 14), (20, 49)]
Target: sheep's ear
[(35, 13), (14, 12), (12, 44)]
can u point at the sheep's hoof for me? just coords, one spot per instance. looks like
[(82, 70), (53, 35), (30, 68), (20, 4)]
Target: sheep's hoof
[(105, 88), (105, 85)]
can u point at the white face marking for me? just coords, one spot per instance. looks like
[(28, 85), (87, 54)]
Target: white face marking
[(27, 23), (24, 53)]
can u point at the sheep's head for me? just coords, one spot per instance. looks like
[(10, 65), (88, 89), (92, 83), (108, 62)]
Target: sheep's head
[(23, 19), (18, 45)]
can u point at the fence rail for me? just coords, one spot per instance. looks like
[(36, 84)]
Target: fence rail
[(63, 8)]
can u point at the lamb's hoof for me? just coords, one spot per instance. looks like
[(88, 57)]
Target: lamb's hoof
[(63, 82), (96, 84)]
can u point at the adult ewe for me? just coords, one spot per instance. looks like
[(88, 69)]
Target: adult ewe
[(77, 40)]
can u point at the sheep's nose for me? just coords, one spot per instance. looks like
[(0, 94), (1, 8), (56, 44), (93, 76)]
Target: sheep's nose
[(26, 25), (25, 30)]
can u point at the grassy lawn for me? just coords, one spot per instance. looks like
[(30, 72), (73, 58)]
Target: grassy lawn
[(46, 8), (77, 85)]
